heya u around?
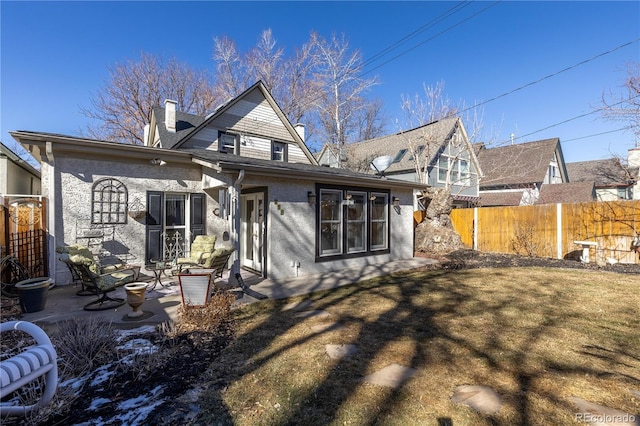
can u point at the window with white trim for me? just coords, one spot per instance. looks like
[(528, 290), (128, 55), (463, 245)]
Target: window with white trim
[(227, 142), (278, 151), (460, 171)]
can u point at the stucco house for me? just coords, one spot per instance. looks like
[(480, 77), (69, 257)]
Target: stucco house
[(517, 174), (613, 179), (437, 154), (17, 176), (242, 173)]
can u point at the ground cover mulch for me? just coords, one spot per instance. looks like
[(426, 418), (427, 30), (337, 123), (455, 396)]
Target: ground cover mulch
[(470, 259)]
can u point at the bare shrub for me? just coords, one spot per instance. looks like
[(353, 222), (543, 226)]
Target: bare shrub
[(84, 344), (215, 317), (525, 242)]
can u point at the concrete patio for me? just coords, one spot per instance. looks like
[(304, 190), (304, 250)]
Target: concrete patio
[(161, 304)]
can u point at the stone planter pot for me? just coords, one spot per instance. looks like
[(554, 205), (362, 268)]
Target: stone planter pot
[(135, 298)]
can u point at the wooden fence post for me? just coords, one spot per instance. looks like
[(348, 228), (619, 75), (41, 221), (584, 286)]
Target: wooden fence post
[(559, 229)]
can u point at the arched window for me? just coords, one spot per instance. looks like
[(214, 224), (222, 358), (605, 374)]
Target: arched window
[(108, 202)]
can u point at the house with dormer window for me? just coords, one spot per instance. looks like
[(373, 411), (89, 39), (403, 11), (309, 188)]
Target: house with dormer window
[(242, 173), (437, 154)]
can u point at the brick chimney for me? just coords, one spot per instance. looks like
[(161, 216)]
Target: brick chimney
[(170, 115)]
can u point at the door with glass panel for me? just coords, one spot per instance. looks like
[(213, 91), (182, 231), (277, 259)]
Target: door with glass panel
[(252, 231)]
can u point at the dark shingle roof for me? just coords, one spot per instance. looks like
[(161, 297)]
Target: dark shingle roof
[(438, 131), (605, 173), (185, 124), (513, 165), (574, 192), (235, 162)]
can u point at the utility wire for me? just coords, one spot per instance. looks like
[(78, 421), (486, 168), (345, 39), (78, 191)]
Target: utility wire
[(458, 7), (577, 117), (595, 134), (432, 37)]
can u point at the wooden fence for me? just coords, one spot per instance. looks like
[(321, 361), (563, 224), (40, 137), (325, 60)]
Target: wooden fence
[(23, 232), (551, 230)]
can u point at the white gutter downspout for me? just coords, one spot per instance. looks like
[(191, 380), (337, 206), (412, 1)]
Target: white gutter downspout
[(51, 211), (235, 225)]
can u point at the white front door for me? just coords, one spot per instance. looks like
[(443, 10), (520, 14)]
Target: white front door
[(252, 238)]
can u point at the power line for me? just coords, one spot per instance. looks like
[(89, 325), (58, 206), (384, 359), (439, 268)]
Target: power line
[(432, 37), (596, 134), (457, 8), (577, 117)]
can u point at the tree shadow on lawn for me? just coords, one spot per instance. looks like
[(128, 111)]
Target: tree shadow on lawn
[(450, 326)]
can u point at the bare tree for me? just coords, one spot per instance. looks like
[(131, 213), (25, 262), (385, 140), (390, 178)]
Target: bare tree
[(419, 112), (626, 106), (341, 88), (123, 106), (231, 77), (288, 79)]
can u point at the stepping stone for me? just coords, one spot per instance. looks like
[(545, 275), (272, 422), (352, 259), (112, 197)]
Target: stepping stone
[(340, 351), (600, 415), (391, 376), (480, 398), (310, 314), (635, 393), (328, 326), (298, 306)]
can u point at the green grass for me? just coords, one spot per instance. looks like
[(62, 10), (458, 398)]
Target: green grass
[(536, 336)]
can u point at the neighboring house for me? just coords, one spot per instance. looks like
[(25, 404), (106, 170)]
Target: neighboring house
[(438, 154), (17, 176), (613, 180), (515, 175), (242, 173)]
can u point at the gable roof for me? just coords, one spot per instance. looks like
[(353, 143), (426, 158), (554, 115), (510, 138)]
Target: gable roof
[(258, 86), (572, 192), (365, 151), (518, 165), (605, 173)]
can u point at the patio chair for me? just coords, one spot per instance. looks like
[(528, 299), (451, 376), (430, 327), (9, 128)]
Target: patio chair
[(200, 254), (94, 279), (86, 254)]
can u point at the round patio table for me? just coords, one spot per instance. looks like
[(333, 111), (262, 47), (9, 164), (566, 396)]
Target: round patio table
[(159, 267)]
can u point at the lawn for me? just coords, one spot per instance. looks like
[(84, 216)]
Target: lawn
[(537, 336)]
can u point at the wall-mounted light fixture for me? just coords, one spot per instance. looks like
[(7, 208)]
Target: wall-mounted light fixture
[(396, 202), (312, 198), (158, 162), (372, 198), (349, 196)]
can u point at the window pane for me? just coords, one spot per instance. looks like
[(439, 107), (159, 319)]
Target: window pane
[(356, 214), (330, 222), (379, 214), (277, 151), (175, 210), (443, 168)]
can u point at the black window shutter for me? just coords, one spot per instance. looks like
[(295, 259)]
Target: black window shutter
[(198, 214), (153, 246)]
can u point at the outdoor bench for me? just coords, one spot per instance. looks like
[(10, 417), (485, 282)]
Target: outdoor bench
[(19, 370)]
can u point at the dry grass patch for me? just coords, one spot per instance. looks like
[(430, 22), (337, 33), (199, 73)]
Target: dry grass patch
[(536, 336)]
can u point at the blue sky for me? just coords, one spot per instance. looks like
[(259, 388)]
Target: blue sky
[(54, 56)]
